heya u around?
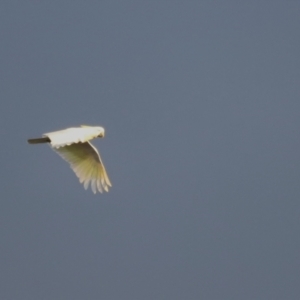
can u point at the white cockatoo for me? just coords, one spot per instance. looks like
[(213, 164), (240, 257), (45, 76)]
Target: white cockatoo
[(73, 145)]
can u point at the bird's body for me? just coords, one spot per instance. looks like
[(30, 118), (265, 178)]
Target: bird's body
[(73, 145)]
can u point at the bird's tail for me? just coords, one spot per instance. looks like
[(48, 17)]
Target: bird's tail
[(39, 140)]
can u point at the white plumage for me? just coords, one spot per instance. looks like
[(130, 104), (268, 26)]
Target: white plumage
[(73, 145)]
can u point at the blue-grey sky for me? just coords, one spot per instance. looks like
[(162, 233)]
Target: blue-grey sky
[(201, 105)]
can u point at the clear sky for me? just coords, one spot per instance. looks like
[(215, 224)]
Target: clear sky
[(201, 105)]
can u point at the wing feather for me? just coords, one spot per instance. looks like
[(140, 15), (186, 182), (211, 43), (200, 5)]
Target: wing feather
[(86, 163)]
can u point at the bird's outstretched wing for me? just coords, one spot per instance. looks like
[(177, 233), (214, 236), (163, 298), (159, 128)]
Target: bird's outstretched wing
[(85, 161)]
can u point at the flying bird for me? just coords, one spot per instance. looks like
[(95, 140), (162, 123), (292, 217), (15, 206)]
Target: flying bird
[(73, 145)]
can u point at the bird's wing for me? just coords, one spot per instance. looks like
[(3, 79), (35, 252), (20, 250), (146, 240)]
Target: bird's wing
[(85, 161)]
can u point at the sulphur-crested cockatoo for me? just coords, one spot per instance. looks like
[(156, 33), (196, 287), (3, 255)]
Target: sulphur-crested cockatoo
[(73, 145)]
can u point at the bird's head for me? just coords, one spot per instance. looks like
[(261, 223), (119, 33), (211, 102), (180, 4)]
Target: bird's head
[(101, 132)]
